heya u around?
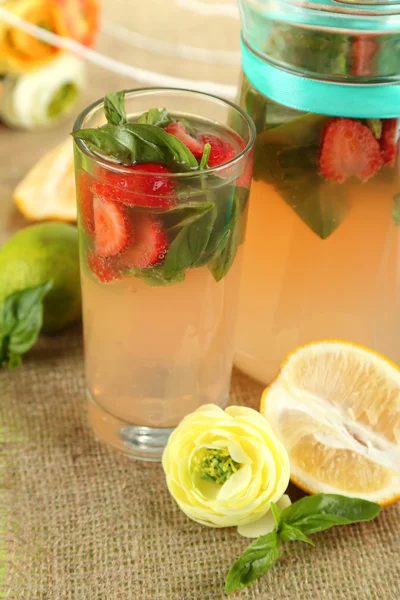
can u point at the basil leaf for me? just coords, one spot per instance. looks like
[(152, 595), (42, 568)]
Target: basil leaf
[(173, 150), (155, 276), (302, 131), (110, 141), (157, 117), (396, 210), (205, 157), (21, 322), (287, 157), (254, 562), (322, 511), (114, 108), (276, 513), (188, 246), (223, 200), (314, 51), (188, 212), (223, 261), (320, 204), (288, 533), (138, 142)]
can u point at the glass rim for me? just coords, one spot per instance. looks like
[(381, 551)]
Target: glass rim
[(119, 168), (380, 10)]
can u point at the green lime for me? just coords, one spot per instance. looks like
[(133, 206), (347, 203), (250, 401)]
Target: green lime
[(39, 253)]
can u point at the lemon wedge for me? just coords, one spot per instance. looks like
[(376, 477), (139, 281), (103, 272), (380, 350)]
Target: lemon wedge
[(336, 408), (48, 189)]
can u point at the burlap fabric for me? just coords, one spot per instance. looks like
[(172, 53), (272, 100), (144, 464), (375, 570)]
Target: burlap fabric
[(86, 523), (80, 522)]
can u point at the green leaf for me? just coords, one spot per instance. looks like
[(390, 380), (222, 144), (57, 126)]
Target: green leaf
[(302, 131), (256, 560), (111, 141), (322, 511), (287, 157), (233, 236), (288, 533), (154, 116), (205, 157), (188, 212), (174, 152), (114, 108), (396, 210), (323, 52), (139, 143), (224, 201), (21, 322), (155, 276), (190, 243), (276, 514)]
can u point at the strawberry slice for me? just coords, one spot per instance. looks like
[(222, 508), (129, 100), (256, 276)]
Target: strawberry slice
[(221, 151), (349, 148), (389, 141), (110, 227), (148, 187), (85, 198), (179, 130), (150, 243), (105, 269)]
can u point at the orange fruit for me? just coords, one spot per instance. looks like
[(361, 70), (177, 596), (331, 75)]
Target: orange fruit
[(336, 408)]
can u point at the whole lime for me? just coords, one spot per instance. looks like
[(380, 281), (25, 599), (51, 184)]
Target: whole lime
[(39, 253)]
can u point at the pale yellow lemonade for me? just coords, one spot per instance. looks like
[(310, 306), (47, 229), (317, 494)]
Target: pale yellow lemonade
[(297, 287), (322, 253), (153, 355)]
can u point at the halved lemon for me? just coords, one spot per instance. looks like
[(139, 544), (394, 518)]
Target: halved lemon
[(48, 189), (336, 407)]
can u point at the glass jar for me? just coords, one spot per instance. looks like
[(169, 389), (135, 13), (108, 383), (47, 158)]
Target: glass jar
[(322, 253)]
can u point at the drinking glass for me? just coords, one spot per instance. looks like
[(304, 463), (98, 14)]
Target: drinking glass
[(159, 337)]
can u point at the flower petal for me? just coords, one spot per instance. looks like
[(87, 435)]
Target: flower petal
[(236, 483), (261, 527), (267, 522)]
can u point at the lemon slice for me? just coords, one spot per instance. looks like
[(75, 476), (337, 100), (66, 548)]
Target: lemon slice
[(48, 189), (336, 408)]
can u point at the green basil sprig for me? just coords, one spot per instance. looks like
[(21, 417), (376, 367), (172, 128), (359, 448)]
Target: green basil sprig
[(157, 117), (139, 143), (114, 108), (205, 157), (306, 516), (21, 320), (155, 276), (142, 142)]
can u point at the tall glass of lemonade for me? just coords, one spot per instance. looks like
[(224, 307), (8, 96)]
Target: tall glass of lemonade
[(163, 180), (322, 253)]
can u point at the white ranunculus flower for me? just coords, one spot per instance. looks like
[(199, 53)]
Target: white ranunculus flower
[(224, 468)]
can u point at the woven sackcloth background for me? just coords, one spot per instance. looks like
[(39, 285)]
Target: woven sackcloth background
[(80, 522), (86, 523)]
